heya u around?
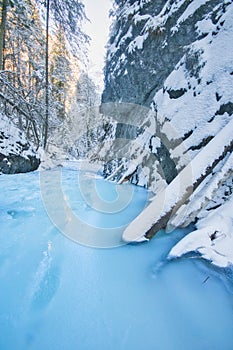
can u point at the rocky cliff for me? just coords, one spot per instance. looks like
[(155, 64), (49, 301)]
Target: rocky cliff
[(150, 38), (173, 58), (172, 61)]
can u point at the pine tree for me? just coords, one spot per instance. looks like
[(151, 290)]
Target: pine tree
[(67, 16), (3, 32), (60, 72)]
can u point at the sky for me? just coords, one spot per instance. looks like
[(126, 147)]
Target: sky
[(98, 29)]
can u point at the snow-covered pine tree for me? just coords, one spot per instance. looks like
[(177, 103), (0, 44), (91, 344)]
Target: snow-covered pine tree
[(23, 55), (21, 79), (64, 17)]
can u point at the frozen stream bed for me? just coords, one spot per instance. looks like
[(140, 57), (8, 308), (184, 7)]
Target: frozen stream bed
[(60, 295)]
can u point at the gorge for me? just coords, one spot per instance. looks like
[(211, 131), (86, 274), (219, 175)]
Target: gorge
[(116, 216)]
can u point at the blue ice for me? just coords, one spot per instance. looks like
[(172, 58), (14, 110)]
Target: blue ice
[(60, 295)]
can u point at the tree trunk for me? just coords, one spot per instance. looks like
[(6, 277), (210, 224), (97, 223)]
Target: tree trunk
[(3, 33), (46, 76)]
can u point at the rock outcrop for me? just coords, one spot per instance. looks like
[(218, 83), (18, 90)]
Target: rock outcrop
[(17, 155)]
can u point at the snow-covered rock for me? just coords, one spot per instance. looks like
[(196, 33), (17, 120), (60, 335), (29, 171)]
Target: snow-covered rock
[(213, 239), (17, 155), (175, 59), (183, 71), (157, 215)]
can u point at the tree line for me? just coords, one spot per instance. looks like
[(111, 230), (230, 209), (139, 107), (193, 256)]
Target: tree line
[(41, 46)]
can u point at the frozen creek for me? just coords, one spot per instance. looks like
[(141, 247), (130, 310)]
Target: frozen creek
[(57, 294)]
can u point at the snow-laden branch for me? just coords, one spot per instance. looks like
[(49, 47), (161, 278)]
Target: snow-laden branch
[(169, 200), (6, 99)]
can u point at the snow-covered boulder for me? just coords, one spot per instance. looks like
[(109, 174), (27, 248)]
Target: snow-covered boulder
[(17, 155), (213, 239)]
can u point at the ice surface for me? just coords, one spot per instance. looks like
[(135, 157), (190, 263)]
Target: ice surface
[(56, 294)]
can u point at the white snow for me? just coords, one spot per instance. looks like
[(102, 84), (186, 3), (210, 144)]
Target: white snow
[(159, 21), (138, 18), (202, 196), (13, 139), (205, 74), (213, 238), (197, 109), (192, 7), (116, 44), (137, 43), (205, 26), (177, 191)]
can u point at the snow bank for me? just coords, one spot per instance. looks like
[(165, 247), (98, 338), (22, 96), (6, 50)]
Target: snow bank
[(16, 153), (213, 239)]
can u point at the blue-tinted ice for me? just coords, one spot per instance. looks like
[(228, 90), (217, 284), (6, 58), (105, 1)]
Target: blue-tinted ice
[(58, 295)]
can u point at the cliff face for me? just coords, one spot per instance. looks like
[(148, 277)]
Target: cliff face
[(148, 40), (174, 58), (172, 62)]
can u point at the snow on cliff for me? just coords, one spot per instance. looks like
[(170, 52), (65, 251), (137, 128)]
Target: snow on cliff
[(175, 57), (205, 103), (160, 211), (202, 116)]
